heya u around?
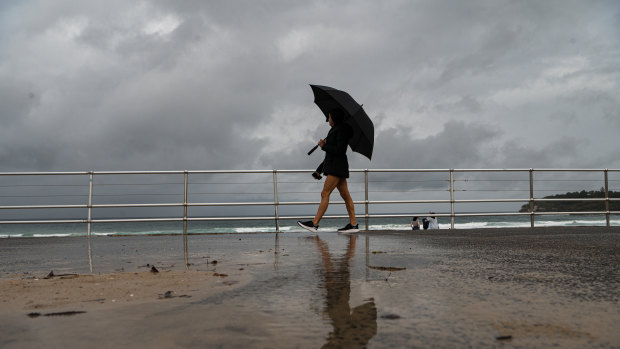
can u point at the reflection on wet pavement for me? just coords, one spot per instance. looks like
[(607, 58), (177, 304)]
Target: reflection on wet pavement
[(350, 326)]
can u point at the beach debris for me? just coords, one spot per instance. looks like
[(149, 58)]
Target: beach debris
[(100, 300), (169, 294), (230, 283), (154, 270), (62, 313), (390, 316), (220, 275), (503, 338), (377, 252), (66, 313), (386, 268), (214, 262), (62, 276), (390, 274)]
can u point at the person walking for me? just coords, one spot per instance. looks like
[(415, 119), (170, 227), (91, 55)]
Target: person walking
[(335, 167)]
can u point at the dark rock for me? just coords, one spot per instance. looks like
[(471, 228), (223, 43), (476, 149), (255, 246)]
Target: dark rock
[(390, 316), (66, 313)]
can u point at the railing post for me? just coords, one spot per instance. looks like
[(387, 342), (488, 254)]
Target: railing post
[(366, 198), (88, 221), (606, 197), (451, 198), (275, 199), (185, 192), (532, 197)]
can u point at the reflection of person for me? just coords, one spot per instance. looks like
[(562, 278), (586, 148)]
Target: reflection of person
[(415, 224), (352, 327), (432, 222), (336, 169)]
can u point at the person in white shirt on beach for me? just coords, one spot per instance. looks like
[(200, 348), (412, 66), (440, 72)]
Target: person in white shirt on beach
[(432, 222)]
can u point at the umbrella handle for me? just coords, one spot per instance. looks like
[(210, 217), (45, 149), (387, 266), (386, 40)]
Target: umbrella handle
[(313, 149)]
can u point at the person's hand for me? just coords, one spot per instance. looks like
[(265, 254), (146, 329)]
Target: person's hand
[(322, 143), (316, 175)]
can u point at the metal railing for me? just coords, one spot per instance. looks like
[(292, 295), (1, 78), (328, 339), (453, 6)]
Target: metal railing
[(277, 203)]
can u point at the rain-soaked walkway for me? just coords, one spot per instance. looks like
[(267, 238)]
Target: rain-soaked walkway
[(515, 288)]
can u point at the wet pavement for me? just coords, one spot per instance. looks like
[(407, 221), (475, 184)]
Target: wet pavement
[(514, 288)]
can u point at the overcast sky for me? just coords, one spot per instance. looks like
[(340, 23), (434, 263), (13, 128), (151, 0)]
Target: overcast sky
[(205, 85)]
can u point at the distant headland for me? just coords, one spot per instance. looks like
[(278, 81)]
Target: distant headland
[(575, 206)]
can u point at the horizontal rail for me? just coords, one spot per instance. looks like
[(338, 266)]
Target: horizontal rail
[(74, 173), (267, 218), (298, 203), (28, 207)]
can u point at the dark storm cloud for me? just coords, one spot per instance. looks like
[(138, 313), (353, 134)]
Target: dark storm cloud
[(224, 85), (457, 145)]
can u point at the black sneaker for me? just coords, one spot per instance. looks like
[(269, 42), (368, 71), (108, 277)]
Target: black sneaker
[(349, 229), (309, 225)]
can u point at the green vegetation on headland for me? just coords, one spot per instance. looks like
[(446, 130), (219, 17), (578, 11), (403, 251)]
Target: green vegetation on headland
[(575, 206)]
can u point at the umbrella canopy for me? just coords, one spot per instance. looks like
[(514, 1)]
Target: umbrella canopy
[(329, 98)]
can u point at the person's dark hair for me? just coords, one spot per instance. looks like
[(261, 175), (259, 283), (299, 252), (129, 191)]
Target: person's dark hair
[(337, 115), (415, 219)]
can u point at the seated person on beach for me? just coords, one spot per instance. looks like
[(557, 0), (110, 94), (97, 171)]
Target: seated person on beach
[(432, 222), (415, 224)]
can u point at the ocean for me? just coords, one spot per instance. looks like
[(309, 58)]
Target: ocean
[(262, 226)]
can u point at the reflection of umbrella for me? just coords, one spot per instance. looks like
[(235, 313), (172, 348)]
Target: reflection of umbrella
[(363, 138)]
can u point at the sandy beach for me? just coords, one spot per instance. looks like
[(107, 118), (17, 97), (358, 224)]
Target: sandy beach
[(516, 288)]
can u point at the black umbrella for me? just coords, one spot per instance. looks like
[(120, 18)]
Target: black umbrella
[(363, 139)]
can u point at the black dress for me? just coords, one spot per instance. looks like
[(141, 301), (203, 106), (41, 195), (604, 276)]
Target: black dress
[(335, 148)]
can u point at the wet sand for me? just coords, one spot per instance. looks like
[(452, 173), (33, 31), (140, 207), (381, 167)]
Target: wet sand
[(516, 288)]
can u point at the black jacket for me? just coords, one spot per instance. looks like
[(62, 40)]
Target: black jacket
[(335, 148)]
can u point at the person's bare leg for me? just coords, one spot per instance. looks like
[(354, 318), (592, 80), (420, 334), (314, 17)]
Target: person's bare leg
[(343, 188), (330, 184)]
